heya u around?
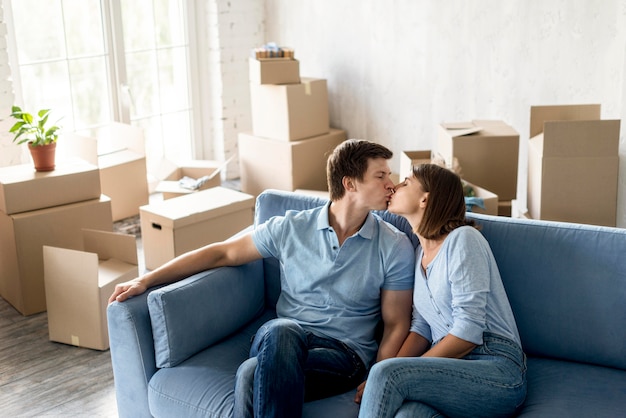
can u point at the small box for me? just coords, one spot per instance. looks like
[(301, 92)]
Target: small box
[(271, 164), (487, 152), (23, 189), (290, 112), (410, 158), (119, 152), (573, 165), (175, 226), (195, 169), (274, 71), (490, 201), (79, 283), (22, 237)]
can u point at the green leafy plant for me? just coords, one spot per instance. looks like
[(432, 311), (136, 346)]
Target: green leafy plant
[(33, 130)]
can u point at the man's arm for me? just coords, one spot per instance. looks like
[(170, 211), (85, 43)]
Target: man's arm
[(396, 308), (228, 253)]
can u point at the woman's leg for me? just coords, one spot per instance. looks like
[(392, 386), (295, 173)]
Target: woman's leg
[(490, 381)]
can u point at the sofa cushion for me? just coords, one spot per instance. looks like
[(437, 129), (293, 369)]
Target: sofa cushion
[(229, 300), (566, 284), (203, 385), (567, 389)]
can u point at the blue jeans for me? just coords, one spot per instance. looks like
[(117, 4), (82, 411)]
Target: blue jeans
[(488, 382), (288, 366)]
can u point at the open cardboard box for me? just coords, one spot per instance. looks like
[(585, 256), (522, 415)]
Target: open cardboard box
[(573, 165), (170, 185), (487, 152), (79, 283), (119, 151)]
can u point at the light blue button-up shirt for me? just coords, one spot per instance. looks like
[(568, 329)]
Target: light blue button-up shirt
[(461, 292), (335, 290)]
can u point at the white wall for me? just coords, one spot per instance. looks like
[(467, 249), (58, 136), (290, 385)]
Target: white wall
[(396, 69)]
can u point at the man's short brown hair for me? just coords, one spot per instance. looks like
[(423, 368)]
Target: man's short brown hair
[(350, 159)]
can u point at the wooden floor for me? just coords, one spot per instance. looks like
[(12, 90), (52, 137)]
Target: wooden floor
[(42, 378)]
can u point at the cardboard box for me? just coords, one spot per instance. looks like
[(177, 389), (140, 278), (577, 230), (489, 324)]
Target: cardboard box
[(172, 227), (410, 158), (271, 164), (573, 166), (119, 152), (79, 283), (170, 185), (274, 71), (22, 237), (23, 189), (290, 112), (490, 201), (487, 153), (505, 208)]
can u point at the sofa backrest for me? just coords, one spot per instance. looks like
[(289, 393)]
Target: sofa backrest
[(566, 284), (276, 203)]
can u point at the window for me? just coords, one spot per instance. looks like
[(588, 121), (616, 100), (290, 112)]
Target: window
[(96, 61)]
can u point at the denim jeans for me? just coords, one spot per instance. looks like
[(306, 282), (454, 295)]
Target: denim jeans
[(488, 382), (288, 366)]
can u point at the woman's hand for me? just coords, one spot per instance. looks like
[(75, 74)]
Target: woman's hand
[(359, 392)]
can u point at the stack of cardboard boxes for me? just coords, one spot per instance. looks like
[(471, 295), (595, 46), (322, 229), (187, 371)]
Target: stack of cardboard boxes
[(291, 138), (44, 208)]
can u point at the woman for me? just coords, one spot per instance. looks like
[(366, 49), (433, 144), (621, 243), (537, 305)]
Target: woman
[(463, 356)]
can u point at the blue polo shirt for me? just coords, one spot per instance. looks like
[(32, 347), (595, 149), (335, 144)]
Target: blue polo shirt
[(334, 290)]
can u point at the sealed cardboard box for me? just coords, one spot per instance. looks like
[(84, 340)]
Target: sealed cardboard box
[(271, 164), (274, 71), (487, 152), (290, 112), (573, 166), (23, 189), (207, 170), (172, 227), (79, 283), (22, 237), (410, 158)]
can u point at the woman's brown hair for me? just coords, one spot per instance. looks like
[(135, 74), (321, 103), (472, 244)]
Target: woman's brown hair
[(445, 210)]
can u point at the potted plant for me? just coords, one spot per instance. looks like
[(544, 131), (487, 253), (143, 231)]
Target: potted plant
[(40, 135)]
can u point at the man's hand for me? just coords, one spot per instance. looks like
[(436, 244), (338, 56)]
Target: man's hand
[(127, 290), (359, 392)]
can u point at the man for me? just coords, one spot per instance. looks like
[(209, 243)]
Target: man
[(342, 268)]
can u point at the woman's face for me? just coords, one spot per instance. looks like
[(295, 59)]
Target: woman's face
[(409, 198)]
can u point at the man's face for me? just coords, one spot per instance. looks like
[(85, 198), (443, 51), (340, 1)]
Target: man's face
[(376, 188)]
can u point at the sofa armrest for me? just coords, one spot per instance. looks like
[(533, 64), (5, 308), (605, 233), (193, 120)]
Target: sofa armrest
[(132, 354), (191, 315)]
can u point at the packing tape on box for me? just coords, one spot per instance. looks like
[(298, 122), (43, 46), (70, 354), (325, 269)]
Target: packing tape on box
[(307, 88), (75, 340)]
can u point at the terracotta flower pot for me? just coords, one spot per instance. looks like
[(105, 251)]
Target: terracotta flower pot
[(43, 156)]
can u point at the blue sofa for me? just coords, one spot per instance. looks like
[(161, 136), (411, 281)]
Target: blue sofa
[(175, 349)]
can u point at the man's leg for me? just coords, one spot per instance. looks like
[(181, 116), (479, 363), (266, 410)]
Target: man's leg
[(244, 384), (280, 347), (332, 368)]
